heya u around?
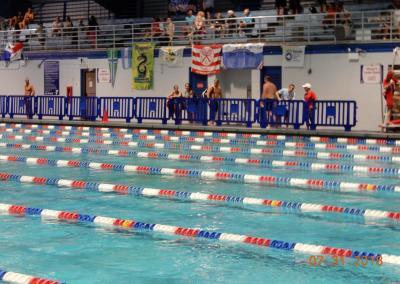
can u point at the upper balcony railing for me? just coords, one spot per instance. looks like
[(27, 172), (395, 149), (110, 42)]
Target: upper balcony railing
[(369, 26)]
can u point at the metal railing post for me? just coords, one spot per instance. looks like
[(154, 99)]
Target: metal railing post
[(362, 24), (391, 25), (113, 36), (308, 28)]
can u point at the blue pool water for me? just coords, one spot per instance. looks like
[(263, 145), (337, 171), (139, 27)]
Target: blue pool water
[(82, 253)]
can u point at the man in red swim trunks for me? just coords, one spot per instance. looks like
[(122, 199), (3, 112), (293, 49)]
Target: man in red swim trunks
[(309, 97), (389, 85)]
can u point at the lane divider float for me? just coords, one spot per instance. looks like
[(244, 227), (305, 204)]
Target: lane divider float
[(286, 182), (174, 145), (196, 233), (170, 194), (267, 163), (322, 139), (19, 278)]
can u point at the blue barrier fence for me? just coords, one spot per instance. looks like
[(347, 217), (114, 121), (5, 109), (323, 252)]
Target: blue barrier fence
[(193, 110), (50, 106)]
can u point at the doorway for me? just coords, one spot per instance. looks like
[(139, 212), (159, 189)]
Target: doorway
[(275, 72), (88, 82)]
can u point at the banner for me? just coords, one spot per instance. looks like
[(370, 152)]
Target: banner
[(112, 55), (293, 56), (103, 75), (181, 6), (206, 59), (13, 52), (372, 74), (126, 57), (243, 56), (142, 66), (51, 78), (171, 56)]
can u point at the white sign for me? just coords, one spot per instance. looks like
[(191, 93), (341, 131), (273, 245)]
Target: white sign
[(103, 76), (293, 56), (372, 74)]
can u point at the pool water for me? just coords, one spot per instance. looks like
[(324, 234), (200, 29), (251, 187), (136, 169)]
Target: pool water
[(84, 253)]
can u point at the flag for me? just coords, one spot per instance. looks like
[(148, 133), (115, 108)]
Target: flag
[(13, 52), (242, 56), (126, 57), (293, 56), (206, 59), (172, 56), (143, 66), (112, 55)]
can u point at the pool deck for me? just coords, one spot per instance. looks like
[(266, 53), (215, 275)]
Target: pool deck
[(337, 132)]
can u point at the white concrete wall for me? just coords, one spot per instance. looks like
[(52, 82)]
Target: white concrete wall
[(333, 76)]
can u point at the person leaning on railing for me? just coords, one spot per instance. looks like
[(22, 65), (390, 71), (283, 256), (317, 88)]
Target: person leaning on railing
[(171, 104), (213, 94), (287, 94), (29, 93)]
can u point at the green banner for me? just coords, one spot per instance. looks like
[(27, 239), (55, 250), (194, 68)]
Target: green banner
[(112, 55), (142, 66)]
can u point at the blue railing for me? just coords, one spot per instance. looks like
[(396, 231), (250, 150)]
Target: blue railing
[(50, 106), (117, 108), (194, 110)]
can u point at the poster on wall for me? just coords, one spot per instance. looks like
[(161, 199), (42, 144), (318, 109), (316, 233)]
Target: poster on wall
[(142, 66), (371, 74), (171, 56), (206, 59), (293, 56), (51, 78), (243, 56), (103, 75)]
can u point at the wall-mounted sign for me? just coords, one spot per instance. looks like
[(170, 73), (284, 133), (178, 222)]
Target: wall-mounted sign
[(103, 75), (372, 74), (51, 78)]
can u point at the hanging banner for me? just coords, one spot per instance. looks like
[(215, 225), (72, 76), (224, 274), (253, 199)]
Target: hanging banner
[(206, 59), (371, 74), (51, 78), (126, 57), (293, 56), (112, 55), (13, 52), (243, 56), (142, 66), (103, 75), (171, 56)]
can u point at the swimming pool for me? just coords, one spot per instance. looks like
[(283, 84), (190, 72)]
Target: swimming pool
[(317, 191)]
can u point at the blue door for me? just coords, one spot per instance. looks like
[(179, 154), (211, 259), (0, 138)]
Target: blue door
[(275, 72), (198, 82)]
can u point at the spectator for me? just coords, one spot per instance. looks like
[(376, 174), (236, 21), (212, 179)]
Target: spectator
[(189, 19), (23, 25), (295, 7), (384, 22), (219, 25), (209, 23), (247, 23), (170, 30), (188, 94), (68, 27), (231, 24), (199, 26), (214, 93), (56, 27), (309, 97), (208, 6), (92, 30), (156, 30), (389, 85), (329, 20), (29, 93), (322, 6), (171, 104), (20, 18), (280, 6), (29, 15), (41, 34)]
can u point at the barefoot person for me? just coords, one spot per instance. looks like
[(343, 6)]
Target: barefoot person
[(214, 93), (309, 97), (176, 93), (269, 92), (29, 93)]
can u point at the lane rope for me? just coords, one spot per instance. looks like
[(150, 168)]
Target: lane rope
[(196, 233), (285, 182), (190, 157), (19, 278)]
